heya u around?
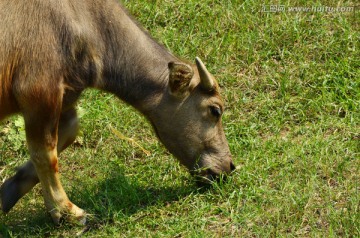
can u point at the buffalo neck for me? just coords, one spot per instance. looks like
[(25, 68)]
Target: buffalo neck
[(135, 67)]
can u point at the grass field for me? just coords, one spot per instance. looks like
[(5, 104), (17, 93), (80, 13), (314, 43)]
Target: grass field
[(291, 82)]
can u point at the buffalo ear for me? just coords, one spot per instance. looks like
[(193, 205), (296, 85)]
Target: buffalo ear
[(180, 75)]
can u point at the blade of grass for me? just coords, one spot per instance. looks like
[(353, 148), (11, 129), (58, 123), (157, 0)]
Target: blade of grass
[(131, 140)]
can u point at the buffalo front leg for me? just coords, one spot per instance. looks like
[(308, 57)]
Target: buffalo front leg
[(41, 127), (26, 177)]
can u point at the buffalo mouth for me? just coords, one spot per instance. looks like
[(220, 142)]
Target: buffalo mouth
[(204, 177)]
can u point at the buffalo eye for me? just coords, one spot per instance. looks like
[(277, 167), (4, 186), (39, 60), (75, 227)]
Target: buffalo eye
[(216, 111)]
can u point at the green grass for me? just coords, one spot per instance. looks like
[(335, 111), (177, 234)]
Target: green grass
[(291, 82)]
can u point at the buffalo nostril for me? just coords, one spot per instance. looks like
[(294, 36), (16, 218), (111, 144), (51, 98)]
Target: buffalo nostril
[(232, 166)]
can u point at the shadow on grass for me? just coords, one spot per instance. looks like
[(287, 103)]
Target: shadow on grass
[(115, 198), (119, 198)]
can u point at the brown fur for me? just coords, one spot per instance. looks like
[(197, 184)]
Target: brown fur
[(52, 50), (7, 74)]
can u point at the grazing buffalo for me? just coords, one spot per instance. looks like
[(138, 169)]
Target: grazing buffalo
[(52, 50)]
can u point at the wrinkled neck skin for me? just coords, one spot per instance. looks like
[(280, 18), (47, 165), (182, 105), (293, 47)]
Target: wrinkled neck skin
[(135, 67)]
